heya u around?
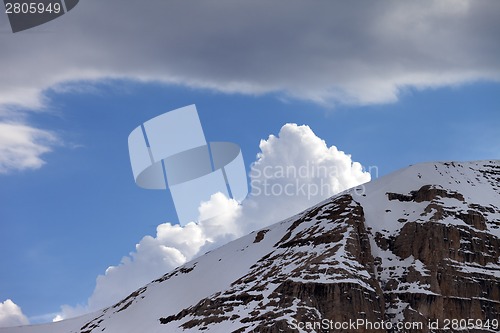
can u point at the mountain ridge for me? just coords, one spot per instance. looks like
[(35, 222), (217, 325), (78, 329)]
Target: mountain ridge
[(420, 245)]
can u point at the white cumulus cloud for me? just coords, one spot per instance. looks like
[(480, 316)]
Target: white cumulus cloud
[(296, 161), (11, 315)]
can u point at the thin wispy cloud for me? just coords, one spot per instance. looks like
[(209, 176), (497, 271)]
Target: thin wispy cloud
[(22, 147)]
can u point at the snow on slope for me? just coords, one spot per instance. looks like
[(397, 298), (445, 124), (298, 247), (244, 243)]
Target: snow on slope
[(464, 188), (176, 290), (469, 178), (475, 181)]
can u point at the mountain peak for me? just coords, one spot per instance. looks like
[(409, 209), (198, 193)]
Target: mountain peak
[(417, 247)]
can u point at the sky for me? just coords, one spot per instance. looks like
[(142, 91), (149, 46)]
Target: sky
[(364, 88)]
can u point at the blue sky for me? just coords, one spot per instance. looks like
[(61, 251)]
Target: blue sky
[(390, 93)]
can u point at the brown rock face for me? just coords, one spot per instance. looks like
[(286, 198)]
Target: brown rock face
[(457, 260), (462, 277), (317, 287), (425, 193)]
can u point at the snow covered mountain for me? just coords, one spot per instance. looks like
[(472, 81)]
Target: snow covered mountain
[(415, 251)]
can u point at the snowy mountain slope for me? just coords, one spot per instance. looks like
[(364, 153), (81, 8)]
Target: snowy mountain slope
[(419, 245), (437, 240)]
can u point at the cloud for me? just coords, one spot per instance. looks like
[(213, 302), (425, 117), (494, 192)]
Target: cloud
[(296, 161), (172, 246), (22, 146), (11, 315), (330, 52)]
